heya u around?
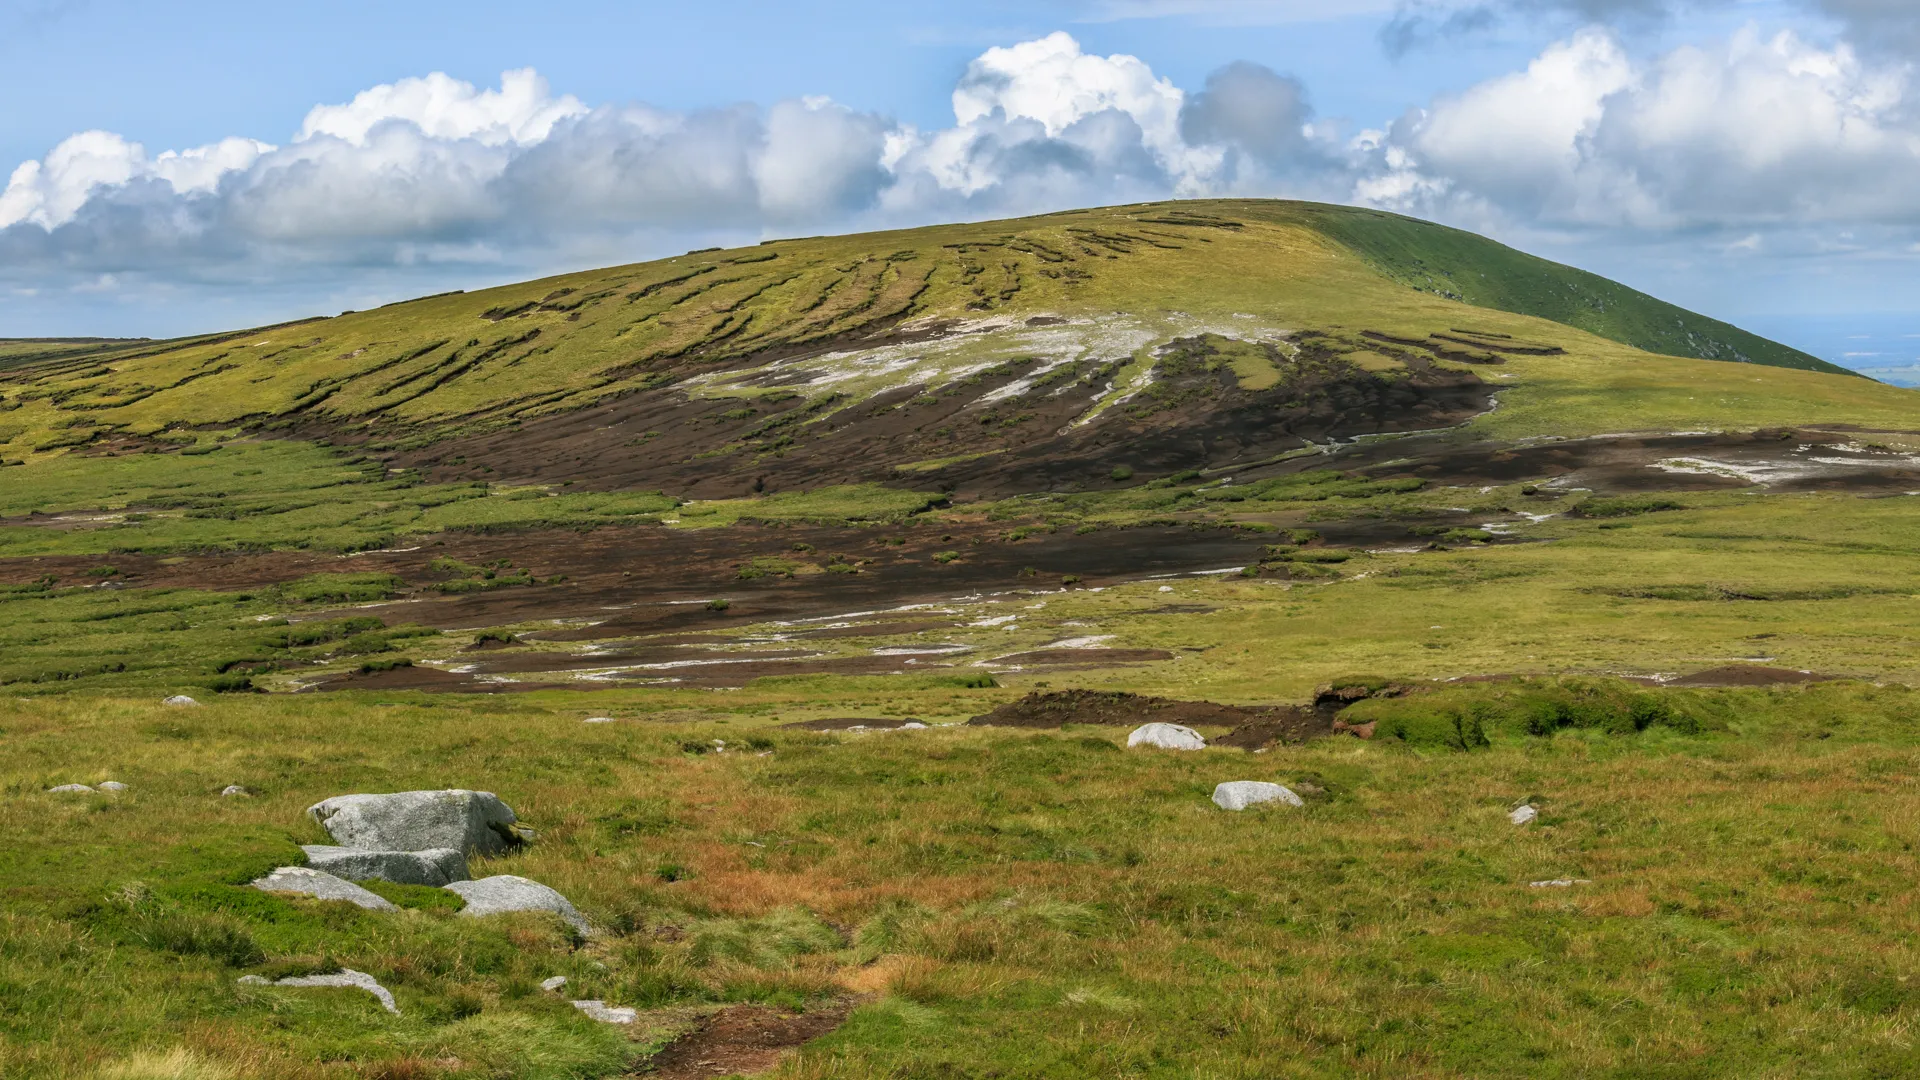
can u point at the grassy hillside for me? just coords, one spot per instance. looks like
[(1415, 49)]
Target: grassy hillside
[(1474, 270), (704, 324)]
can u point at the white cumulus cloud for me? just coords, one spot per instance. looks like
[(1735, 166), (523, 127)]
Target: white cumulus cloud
[(1756, 130), (1746, 137), (523, 110)]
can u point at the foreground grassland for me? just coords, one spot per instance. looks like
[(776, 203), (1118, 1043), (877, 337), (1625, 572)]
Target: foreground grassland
[(1010, 903)]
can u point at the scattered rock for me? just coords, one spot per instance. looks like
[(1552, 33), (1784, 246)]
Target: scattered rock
[(1240, 794), (1559, 883), (1167, 737), (233, 789), (113, 785), (347, 977), (1522, 815), (554, 984), (434, 866), (181, 700), (321, 886), (467, 821), (504, 892), (601, 1011), (63, 789)]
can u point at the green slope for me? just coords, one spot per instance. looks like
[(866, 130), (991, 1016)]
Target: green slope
[(1470, 268), (711, 323)]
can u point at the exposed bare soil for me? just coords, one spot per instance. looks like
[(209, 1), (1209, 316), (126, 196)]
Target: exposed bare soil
[(851, 723), (743, 1040), (1750, 675), (1781, 459), (1195, 418), (1253, 726)]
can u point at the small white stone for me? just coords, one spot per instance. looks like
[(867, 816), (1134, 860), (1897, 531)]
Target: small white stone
[(1240, 794), (1167, 737), (180, 700), (598, 720), (64, 789), (913, 725), (113, 785), (347, 977), (555, 983), (1559, 883), (1166, 588), (606, 1014), (1522, 815), (233, 789)]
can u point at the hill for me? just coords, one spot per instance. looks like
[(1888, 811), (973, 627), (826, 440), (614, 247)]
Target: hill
[(970, 355)]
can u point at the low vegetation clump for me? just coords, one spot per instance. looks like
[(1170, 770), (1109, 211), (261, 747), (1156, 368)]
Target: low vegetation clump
[(1469, 718)]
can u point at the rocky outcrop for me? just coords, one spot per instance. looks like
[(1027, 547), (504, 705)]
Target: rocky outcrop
[(434, 866), (321, 886), (471, 822), (505, 893)]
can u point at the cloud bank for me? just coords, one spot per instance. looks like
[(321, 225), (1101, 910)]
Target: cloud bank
[(1755, 137)]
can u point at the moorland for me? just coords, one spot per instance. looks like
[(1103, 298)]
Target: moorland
[(865, 554)]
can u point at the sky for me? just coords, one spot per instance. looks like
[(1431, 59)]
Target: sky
[(209, 165)]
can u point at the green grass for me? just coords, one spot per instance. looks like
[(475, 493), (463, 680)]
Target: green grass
[(1033, 904), (1475, 270), (272, 495), (847, 504)]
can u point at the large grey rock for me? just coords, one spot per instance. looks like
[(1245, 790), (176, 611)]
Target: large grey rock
[(1167, 737), (346, 977), (181, 701), (322, 886), (434, 866), (1522, 815), (467, 821), (1240, 794), (67, 789), (113, 785), (504, 892)]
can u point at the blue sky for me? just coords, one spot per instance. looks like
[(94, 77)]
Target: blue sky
[(1749, 159)]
